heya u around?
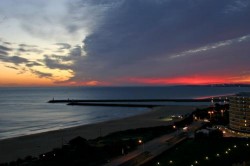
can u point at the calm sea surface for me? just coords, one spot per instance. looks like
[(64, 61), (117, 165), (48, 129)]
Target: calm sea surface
[(25, 111)]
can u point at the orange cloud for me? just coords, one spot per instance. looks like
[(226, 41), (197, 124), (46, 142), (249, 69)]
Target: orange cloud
[(87, 83), (9, 78)]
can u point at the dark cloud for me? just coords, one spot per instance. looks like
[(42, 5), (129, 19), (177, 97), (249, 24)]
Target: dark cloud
[(27, 45), (61, 58), (4, 48), (41, 74), (55, 63), (12, 67), (2, 52), (17, 60), (64, 46), (137, 38), (22, 50), (14, 59), (58, 57), (7, 43), (32, 64), (28, 48), (76, 51), (3, 58), (31, 50), (63, 62), (84, 15)]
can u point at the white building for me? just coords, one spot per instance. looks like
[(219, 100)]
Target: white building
[(239, 112)]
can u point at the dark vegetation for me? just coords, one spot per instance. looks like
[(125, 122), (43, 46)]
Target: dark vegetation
[(206, 152), (217, 114), (213, 134)]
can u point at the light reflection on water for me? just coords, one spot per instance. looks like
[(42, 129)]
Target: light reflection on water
[(26, 111)]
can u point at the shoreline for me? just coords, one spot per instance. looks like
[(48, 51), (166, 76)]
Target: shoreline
[(46, 130), (20, 147)]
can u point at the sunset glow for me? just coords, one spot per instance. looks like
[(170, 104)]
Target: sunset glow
[(119, 43), (185, 80), (10, 78)]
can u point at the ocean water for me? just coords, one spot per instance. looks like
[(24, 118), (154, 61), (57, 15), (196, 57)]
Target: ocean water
[(25, 111)]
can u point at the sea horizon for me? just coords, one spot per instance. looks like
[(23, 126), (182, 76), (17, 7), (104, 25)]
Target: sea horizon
[(25, 111)]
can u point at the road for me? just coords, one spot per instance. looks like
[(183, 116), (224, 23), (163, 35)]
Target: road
[(147, 151)]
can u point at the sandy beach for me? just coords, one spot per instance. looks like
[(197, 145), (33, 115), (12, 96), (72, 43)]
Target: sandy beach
[(20, 147)]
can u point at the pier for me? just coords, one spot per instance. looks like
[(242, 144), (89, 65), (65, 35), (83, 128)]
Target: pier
[(135, 100), (149, 103), (114, 104)]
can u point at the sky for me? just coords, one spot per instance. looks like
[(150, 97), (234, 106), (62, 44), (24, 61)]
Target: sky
[(124, 42)]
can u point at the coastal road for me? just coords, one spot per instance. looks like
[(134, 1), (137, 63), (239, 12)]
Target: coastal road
[(144, 150), (151, 149)]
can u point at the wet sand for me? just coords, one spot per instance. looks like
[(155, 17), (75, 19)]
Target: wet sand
[(20, 147)]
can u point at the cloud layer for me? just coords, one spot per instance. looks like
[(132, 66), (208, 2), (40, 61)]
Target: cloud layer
[(143, 38), (131, 42)]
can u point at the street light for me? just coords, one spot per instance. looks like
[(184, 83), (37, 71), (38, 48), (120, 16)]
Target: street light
[(209, 112), (222, 112), (141, 142)]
